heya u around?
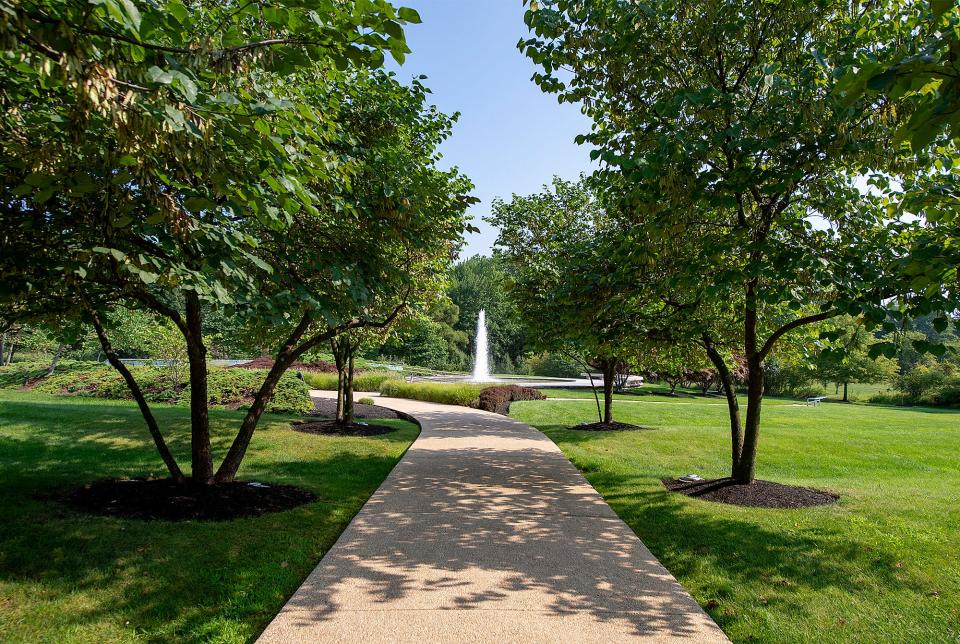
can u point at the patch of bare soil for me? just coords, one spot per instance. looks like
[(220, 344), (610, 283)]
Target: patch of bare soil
[(615, 426), (333, 428), (163, 499), (759, 494)]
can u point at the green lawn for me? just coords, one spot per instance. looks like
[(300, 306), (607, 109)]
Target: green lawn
[(882, 565), (68, 577)]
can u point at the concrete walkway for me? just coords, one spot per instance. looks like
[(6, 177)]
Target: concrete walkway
[(485, 532)]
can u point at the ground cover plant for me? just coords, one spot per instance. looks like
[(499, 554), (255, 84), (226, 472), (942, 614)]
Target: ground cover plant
[(71, 577), (879, 565), (232, 388)]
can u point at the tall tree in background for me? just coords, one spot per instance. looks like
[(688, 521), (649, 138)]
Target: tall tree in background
[(552, 247), (736, 163), (479, 283), (846, 357)]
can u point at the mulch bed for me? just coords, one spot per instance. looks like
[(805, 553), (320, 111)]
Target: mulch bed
[(327, 408), (615, 426), (144, 498), (759, 494), (333, 428)]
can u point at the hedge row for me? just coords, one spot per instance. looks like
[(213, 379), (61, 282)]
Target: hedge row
[(463, 394), (366, 381), (496, 398), (226, 387)]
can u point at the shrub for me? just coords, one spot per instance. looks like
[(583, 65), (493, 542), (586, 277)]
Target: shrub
[(497, 399), (226, 387), (367, 401), (366, 381), (463, 394), (551, 365), (790, 381), (917, 383), (948, 394)]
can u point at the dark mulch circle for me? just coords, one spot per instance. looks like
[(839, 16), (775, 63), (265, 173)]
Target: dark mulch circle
[(759, 494), (143, 498), (615, 426), (333, 428), (327, 408)]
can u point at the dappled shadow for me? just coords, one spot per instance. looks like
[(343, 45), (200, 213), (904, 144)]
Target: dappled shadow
[(485, 515), (739, 546)]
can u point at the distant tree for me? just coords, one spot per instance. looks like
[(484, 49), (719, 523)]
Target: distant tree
[(479, 283), (675, 364), (846, 359), (552, 247)]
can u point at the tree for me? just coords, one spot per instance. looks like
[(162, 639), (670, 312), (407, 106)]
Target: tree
[(479, 283), (912, 58), (675, 364), (846, 358), (167, 171), (736, 164), (551, 246)]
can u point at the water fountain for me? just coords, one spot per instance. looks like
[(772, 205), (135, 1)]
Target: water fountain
[(481, 361)]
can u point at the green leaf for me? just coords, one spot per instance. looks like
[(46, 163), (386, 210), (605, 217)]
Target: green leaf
[(409, 15)]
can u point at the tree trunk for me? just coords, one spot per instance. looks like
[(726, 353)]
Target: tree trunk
[(845, 398), (201, 458), (339, 348), (733, 405), (13, 347), (288, 353), (348, 402), (56, 359), (175, 472), (3, 347), (744, 471), (609, 371)]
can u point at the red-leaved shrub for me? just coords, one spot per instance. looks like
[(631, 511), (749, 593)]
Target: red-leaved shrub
[(497, 399)]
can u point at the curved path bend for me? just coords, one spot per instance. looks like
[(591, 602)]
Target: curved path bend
[(485, 532)]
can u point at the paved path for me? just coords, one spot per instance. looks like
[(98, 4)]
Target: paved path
[(485, 532)]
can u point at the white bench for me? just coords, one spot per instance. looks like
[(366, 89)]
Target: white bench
[(816, 400)]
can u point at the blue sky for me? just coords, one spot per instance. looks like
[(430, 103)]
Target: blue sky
[(511, 137)]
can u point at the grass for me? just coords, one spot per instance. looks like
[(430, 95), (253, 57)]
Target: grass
[(881, 565), (463, 394), (69, 577), (647, 392)]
